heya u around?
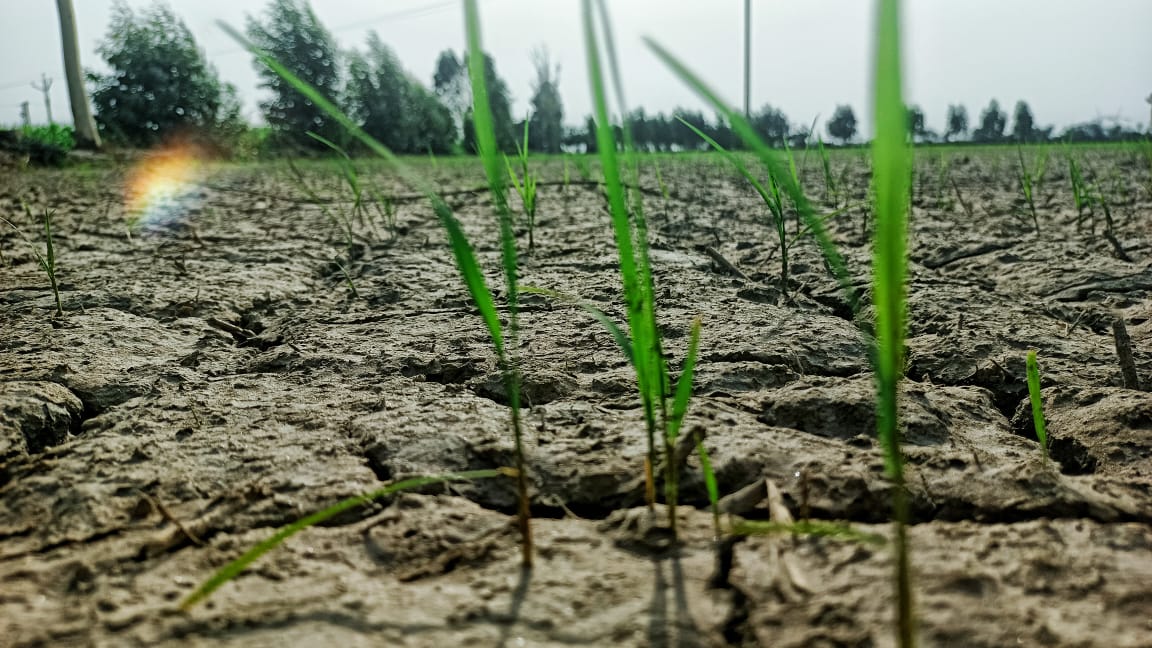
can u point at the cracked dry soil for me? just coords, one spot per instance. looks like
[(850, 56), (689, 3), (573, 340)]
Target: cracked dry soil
[(217, 372)]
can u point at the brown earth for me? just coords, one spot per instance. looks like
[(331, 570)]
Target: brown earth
[(217, 371)]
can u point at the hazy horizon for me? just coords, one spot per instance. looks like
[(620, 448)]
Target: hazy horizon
[(1073, 61)]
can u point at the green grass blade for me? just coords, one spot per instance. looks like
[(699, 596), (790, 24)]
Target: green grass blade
[(618, 334), (234, 568), (510, 365), (771, 197), (1037, 402), (768, 158), (891, 173), (710, 485), (809, 528), (684, 384)]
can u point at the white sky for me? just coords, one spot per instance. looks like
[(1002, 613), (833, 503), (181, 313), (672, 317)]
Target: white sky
[(1072, 60)]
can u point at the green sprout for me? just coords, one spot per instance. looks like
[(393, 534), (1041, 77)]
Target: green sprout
[(526, 188), (47, 259), (1037, 402)]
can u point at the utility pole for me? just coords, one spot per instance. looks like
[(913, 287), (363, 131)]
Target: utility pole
[(45, 87), (25, 114), (748, 59), (1149, 100), (86, 134)]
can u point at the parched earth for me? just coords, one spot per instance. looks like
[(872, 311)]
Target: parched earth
[(214, 377)]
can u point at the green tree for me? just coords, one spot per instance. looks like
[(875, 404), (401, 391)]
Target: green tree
[(957, 122), (392, 106), (293, 35), (916, 125), (992, 123), (842, 126), (772, 125), (160, 84), (450, 83), (1023, 125), (546, 132)]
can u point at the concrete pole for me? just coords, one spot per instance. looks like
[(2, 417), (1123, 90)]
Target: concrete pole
[(25, 114), (748, 59), (86, 134)]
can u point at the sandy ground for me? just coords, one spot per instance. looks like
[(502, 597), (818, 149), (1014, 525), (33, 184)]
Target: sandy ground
[(214, 369)]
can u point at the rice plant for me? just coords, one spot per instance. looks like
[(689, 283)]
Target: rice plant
[(831, 191), (770, 195), (630, 232), (1081, 196), (508, 355), (466, 262), (889, 271), (236, 567), (525, 185), (46, 259), (1037, 403), (1026, 179), (890, 175)]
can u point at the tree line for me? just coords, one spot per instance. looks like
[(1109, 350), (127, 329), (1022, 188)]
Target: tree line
[(161, 85)]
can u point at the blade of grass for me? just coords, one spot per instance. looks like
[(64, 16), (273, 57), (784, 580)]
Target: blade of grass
[(234, 568), (461, 249), (639, 326), (1037, 402), (489, 154), (772, 164), (890, 168)]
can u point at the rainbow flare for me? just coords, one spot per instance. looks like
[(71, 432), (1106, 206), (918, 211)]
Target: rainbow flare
[(163, 189)]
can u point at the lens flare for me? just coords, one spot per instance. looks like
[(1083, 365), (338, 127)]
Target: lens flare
[(164, 189)]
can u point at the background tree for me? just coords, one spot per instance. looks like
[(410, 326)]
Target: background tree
[(293, 35), (957, 122), (547, 129), (772, 125), (450, 83), (842, 126), (1023, 125), (392, 106), (992, 123), (916, 125), (500, 103), (160, 83)]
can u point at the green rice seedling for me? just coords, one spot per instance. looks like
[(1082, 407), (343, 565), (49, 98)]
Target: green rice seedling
[(630, 233), (831, 192), (660, 183), (890, 175), (1037, 403), (1025, 178), (943, 174), (340, 223), (583, 167), (889, 272), (462, 250), (525, 187), (770, 195), (711, 485), (348, 280), (236, 567), (1081, 197), (775, 169), (508, 355), (47, 259), (349, 175), (817, 528)]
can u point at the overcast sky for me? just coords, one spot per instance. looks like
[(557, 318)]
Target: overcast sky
[(1071, 60)]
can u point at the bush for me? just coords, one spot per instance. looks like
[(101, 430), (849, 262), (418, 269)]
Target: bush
[(43, 145)]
